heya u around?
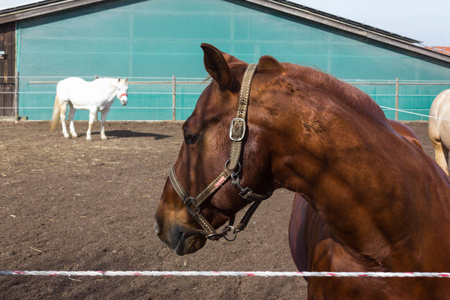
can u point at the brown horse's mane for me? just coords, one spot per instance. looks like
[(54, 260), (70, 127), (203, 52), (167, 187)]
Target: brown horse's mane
[(346, 93)]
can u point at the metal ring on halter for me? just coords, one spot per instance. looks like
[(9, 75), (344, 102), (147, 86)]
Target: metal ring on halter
[(238, 167), (232, 229)]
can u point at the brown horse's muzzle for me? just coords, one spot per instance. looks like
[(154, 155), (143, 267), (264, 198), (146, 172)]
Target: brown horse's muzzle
[(173, 225), (177, 238)]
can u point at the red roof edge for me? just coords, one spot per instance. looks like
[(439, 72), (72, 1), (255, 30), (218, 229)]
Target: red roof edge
[(444, 50)]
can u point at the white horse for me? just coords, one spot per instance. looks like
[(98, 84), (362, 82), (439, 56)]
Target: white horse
[(94, 96), (439, 128)]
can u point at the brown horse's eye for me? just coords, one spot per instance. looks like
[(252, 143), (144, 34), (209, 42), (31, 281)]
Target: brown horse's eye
[(190, 138)]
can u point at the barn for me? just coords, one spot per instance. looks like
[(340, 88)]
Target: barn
[(155, 44)]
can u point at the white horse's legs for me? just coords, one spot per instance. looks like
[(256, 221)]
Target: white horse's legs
[(102, 126), (72, 112), (440, 151), (441, 154), (92, 117), (62, 115), (445, 150)]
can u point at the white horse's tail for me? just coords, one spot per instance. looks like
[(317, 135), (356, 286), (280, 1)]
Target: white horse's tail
[(55, 116)]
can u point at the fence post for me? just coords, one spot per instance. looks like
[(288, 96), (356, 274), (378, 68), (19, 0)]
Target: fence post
[(16, 97), (174, 98), (396, 98)]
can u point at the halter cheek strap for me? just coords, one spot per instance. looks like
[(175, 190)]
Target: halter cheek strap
[(232, 170)]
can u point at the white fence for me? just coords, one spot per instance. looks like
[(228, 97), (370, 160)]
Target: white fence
[(180, 94)]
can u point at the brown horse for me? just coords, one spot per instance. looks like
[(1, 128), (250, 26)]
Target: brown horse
[(373, 200)]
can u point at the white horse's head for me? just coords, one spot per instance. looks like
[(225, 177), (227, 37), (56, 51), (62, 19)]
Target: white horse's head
[(122, 91)]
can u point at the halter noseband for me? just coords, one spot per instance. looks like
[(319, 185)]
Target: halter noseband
[(231, 170)]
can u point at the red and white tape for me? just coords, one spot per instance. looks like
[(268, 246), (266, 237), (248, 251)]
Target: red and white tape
[(226, 273)]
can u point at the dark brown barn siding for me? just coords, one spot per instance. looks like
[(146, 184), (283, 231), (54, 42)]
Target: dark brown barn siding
[(7, 69)]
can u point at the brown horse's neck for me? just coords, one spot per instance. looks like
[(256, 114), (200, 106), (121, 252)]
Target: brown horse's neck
[(349, 163)]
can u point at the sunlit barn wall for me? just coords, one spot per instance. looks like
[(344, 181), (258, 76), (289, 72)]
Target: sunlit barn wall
[(154, 40)]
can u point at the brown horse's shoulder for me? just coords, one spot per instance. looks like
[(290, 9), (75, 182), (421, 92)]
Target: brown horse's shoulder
[(312, 240)]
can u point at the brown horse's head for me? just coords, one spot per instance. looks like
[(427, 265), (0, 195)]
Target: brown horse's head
[(205, 152)]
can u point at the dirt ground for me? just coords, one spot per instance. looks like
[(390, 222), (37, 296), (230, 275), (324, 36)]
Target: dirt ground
[(69, 204)]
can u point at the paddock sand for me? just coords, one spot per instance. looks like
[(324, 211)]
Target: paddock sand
[(69, 204)]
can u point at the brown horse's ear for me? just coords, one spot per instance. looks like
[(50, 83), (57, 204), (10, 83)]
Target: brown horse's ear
[(216, 65), (268, 64)]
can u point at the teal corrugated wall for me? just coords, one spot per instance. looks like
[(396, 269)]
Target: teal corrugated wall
[(154, 40)]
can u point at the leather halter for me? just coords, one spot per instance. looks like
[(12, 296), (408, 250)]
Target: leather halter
[(231, 170)]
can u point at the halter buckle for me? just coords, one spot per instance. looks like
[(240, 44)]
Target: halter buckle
[(237, 129), (246, 193)]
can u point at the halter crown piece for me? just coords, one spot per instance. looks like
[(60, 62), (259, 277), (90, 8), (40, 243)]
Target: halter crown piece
[(232, 169)]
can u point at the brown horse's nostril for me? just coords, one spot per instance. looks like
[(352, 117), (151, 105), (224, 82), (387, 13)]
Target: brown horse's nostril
[(158, 232)]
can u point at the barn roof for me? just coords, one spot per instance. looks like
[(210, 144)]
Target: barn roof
[(44, 7)]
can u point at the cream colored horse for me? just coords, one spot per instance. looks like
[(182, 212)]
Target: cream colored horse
[(94, 96), (439, 128)]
